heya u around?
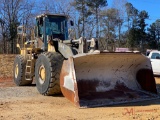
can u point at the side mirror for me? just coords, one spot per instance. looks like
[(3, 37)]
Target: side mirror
[(72, 23)]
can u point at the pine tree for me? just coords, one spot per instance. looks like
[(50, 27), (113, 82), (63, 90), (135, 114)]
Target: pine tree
[(81, 7), (95, 7)]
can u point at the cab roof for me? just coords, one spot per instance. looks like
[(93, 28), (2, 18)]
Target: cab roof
[(47, 14)]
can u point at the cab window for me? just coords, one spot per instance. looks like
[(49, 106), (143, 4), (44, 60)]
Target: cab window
[(155, 55)]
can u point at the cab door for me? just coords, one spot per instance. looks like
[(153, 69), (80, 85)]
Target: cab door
[(155, 61)]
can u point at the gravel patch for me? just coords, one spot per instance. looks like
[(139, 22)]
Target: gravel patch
[(10, 92)]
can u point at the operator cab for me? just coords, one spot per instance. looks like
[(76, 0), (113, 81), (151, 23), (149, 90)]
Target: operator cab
[(51, 25)]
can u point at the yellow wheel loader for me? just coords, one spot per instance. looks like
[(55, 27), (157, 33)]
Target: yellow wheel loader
[(78, 70)]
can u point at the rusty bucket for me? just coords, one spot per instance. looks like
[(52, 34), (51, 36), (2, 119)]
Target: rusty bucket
[(91, 80)]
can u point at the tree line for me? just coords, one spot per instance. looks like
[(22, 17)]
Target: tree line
[(116, 25)]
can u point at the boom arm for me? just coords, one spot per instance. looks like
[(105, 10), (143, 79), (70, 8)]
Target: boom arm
[(67, 48)]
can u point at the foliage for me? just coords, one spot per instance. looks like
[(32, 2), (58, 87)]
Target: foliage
[(94, 7), (82, 8), (121, 25), (154, 35), (109, 18)]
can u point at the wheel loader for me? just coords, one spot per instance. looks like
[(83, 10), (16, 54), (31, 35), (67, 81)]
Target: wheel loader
[(77, 69)]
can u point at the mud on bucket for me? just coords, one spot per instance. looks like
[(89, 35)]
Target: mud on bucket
[(107, 78)]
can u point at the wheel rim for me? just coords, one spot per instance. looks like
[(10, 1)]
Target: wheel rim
[(16, 71), (42, 74)]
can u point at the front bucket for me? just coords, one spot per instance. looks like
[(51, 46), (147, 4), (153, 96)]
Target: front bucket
[(92, 80)]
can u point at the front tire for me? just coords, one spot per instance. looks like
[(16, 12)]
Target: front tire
[(19, 71), (47, 72)]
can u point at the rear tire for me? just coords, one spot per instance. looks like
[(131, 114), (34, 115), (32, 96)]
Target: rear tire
[(47, 72), (19, 69)]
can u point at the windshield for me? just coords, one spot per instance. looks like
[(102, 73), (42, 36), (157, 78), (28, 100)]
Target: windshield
[(56, 25)]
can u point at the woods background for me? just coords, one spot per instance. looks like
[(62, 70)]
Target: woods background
[(116, 25)]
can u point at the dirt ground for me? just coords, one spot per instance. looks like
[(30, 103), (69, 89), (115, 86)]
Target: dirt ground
[(25, 103)]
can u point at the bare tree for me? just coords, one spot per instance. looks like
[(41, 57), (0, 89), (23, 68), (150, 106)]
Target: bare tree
[(3, 36), (55, 6), (14, 13)]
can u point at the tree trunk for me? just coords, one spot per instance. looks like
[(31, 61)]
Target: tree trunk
[(97, 21)]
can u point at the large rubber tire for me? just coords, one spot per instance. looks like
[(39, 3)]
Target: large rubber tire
[(47, 73), (19, 68)]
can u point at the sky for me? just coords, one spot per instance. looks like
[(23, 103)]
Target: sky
[(150, 6)]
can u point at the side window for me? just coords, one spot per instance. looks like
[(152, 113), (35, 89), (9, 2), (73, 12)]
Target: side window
[(154, 55), (40, 27), (54, 26)]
